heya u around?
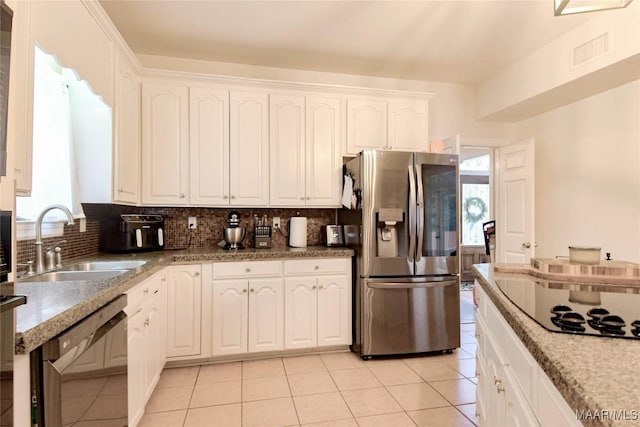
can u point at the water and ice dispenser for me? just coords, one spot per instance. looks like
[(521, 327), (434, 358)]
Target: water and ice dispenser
[(390, 241)]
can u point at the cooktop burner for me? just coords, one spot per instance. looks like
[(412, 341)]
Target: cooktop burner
[(577, 308)]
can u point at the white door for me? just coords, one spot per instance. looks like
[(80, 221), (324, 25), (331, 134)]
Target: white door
[(209, 146), (334, 310), (408, 125), (300, 318), (184, 295), (266, 315), (249, 148), (137, 354), (366, 124), (323, 159), (127, 143), (230, 310), (515, 219), (286, 132), (165, 143)]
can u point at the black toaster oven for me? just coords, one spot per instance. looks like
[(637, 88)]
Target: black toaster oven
[(132, 233)]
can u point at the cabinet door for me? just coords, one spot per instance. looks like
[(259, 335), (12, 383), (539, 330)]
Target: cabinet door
[(266, 315), (366, 124), (230, 311), (300, 317), (323, 162), (126, 175), (249, 149), (137, 354), (334, 310), (408, 125), (165, 143), (209, 146), (287, 150), (153, 333), (184, 295)]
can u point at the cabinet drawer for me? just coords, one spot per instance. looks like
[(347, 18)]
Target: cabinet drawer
[(247, 269), (138, 294), (317, 266)]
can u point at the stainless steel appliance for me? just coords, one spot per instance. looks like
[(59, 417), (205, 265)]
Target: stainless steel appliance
[(576, 308), (132, 233), (333, 235), (8, 304), (406, 293), (81, 375), (234, 234)]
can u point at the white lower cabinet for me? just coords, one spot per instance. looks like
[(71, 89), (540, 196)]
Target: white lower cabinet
[(247, 309), (512, 389), (146, 341), (318, 307), (184, 309)]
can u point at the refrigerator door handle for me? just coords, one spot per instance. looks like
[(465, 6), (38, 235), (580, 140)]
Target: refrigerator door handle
[(412, 285), (420, 213), (412, 215)]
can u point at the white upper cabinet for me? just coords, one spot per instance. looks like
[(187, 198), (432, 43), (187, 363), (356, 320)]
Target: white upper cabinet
[(408, 125), (165, 143), (366, 124), (249, 148), (287, 133), (209, 146), (126, 185), (305, 139), (399, 124)]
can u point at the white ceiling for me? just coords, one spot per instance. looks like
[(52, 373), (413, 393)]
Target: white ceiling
[(448, 41)]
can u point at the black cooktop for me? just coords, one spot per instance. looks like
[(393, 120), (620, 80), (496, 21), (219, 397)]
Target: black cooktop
[(577, 308)]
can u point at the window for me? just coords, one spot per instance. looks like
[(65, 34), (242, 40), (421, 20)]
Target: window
[(475, 170), (60, 104)]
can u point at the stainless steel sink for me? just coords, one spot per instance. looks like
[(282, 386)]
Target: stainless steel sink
[(65, 276), (106, 265)]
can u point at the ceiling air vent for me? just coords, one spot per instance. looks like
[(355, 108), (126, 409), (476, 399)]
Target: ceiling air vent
[(592, 49)]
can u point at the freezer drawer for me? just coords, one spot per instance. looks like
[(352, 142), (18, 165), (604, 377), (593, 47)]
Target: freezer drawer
[(412, 316)]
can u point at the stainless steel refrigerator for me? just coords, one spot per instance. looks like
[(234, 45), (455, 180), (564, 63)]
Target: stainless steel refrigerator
[(402, 221)]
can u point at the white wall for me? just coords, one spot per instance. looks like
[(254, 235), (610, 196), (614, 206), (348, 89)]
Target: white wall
[(451, 111), (588, 174)]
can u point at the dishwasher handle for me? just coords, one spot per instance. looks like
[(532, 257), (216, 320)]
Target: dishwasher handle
[(83, 332), (412, 285)]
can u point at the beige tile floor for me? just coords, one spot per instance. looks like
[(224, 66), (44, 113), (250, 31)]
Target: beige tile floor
[(332, 389)]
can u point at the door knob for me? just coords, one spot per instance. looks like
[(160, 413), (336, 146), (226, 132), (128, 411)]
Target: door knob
[(526, 245)]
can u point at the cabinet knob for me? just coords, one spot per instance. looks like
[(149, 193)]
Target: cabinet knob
[(196, 274), (182, 196), (233, 197), (244, 291), (146, 291), (316, 267), (308, 198), (248, 270), (225, 197), (499, 387), (120, 190), (321, 286), (301, 198), (252, 290), (313, 287), (146, 322)]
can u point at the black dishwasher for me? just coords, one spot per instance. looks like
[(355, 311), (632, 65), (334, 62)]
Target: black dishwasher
[(80, 376)]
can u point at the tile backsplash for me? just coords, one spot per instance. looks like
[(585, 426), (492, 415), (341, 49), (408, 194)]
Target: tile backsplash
[(209, 231)]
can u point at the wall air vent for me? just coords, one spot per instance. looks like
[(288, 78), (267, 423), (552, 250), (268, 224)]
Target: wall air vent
[(592, 49)]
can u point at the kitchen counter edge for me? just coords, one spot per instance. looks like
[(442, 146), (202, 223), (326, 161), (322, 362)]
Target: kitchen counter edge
[(575, 364), (101, 292)]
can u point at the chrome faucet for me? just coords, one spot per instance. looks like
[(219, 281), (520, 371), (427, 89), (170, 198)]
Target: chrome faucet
[(39, 254)]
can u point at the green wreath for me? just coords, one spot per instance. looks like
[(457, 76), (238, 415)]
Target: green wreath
[(475, 208)]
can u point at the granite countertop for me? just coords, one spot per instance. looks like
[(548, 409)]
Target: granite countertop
[(591, 373), (53, 307)]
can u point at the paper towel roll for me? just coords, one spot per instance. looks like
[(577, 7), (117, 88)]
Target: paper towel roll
[(298, 232)]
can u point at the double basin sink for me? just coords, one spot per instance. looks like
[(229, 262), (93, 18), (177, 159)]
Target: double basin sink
[(92, 270)]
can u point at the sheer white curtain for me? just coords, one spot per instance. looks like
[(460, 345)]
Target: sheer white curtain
[(53, 164)]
